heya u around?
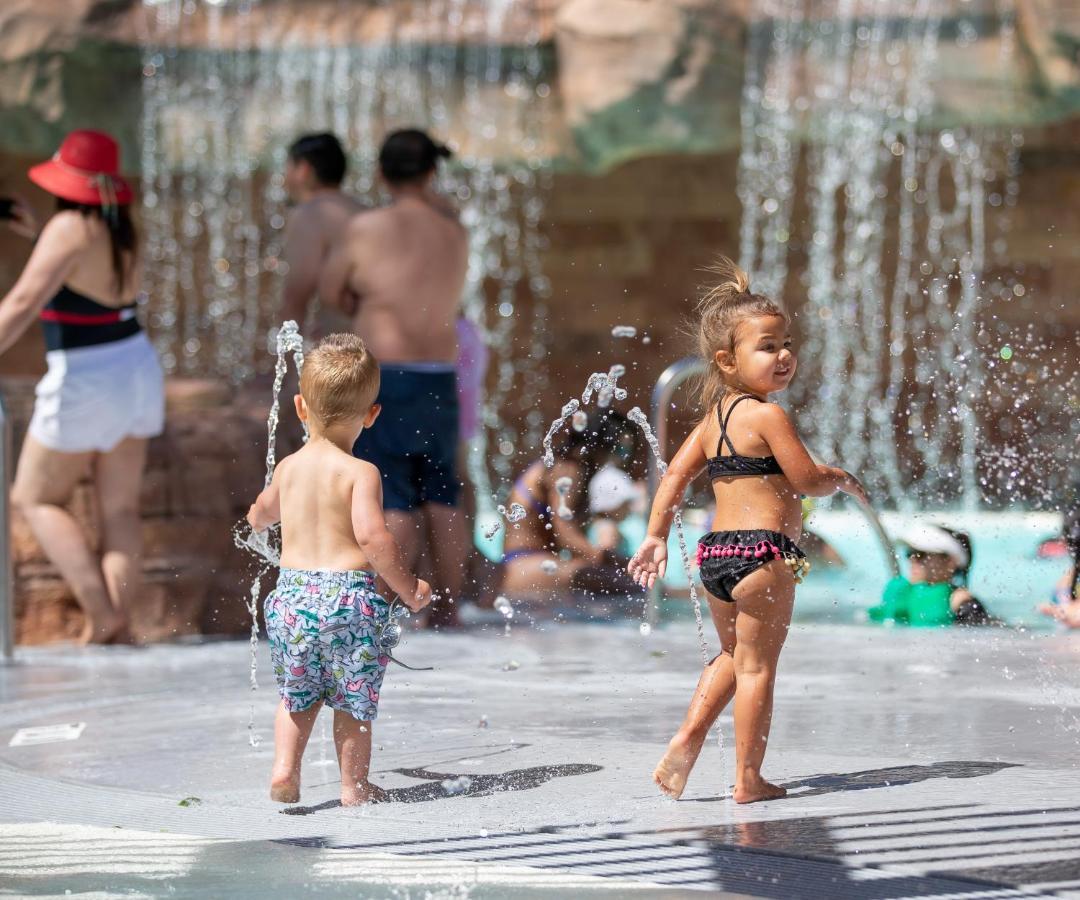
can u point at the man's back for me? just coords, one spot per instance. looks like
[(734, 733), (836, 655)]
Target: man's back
[(314, 227), (329, 213), (407, 265)]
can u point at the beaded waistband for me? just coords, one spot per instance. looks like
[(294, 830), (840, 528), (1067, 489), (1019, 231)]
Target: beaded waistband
[(764, 550)]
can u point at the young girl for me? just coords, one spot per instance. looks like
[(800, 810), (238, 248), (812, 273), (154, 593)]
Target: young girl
[(750, 561)]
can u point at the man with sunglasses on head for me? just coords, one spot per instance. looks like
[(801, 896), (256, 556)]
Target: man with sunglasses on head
[(935, 592)]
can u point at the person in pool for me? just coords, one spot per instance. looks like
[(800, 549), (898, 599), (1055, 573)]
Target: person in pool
[(1066, 605), (103, 396), (325, 620), (936, 590), (750, 562), (613, 497), (547, 554)]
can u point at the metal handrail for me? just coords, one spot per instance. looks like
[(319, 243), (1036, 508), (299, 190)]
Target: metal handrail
[(669, 381), (7, 592)]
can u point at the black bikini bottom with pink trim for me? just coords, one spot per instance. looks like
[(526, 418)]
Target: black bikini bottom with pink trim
[(726, 557)]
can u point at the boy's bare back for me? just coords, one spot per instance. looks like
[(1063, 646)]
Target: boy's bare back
[(323, 491)]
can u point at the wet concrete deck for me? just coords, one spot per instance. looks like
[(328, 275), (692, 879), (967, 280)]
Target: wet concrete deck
[(919, 764)]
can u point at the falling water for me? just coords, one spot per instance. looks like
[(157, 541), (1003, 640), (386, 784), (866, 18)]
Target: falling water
[(570, 410), (505, 608), (641, 420), (892, 349), (229, 84), (264, 543), (288, 341), (563, 487), (605, 387), (253, 608)]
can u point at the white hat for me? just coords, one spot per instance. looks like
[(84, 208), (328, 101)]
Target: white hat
[(609, 489), (934, 539)]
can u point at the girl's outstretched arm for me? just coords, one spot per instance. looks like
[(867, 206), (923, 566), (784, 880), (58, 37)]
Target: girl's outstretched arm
[(805, 475), (650, 560)]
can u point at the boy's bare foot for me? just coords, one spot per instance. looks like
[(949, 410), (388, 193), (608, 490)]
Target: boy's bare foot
[(673, 770), (752, 790), (363, 793), (285, 789)]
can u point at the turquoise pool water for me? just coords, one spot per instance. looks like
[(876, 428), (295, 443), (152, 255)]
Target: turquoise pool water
[(1006, 575)]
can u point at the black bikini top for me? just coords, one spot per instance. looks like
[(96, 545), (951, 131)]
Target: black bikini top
[(736, 466)]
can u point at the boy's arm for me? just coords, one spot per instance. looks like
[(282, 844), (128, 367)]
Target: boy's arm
[(266, 510), (805, 475), (374, 538)]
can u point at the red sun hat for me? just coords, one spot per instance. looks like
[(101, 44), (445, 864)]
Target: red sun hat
[(84, 170)]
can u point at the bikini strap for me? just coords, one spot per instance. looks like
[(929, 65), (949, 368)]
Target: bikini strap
[(724, 425)]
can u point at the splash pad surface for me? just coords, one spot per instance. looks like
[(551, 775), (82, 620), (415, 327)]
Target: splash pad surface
[(918, 764)]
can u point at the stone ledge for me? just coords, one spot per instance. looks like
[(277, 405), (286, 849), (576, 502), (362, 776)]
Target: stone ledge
[(202, 474)]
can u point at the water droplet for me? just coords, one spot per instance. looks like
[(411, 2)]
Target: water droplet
[(455, 786)]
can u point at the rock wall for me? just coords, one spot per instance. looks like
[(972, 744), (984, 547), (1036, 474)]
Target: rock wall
[(630, 77)]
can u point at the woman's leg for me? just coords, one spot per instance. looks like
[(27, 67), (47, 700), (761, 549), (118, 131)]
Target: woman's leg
[(764, 600), (541, 575), (44, 482), (353, 740), (714, 691), (291, 733), (118, 479)]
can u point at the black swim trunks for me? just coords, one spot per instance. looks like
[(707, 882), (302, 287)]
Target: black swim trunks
[(414, 441), (726, 557)]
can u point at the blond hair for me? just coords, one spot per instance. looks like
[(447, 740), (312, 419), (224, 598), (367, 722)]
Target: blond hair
[(340, 379), (723, 307)]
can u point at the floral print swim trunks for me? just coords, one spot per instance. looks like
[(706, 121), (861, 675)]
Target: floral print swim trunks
[(324, 632)]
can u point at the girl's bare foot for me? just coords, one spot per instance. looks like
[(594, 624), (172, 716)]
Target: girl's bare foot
[(285, 789), (673, 770), (364, 792), (108, 631), (751, 790)]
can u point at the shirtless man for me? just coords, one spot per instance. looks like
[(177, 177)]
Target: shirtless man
[(400, 271), (313, 174)]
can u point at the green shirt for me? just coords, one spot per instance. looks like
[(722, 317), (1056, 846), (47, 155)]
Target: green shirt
[(925, 605)]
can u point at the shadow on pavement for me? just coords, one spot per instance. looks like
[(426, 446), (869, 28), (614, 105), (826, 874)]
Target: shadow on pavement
[(477, 785), (889, 776)]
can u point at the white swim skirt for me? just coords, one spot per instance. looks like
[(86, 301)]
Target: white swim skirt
[(93, 397)]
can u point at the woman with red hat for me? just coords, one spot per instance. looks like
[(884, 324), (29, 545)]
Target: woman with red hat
[(103, 394)]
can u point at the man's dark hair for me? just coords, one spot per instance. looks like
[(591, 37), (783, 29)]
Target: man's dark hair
[(410, 154), (324, 154)]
